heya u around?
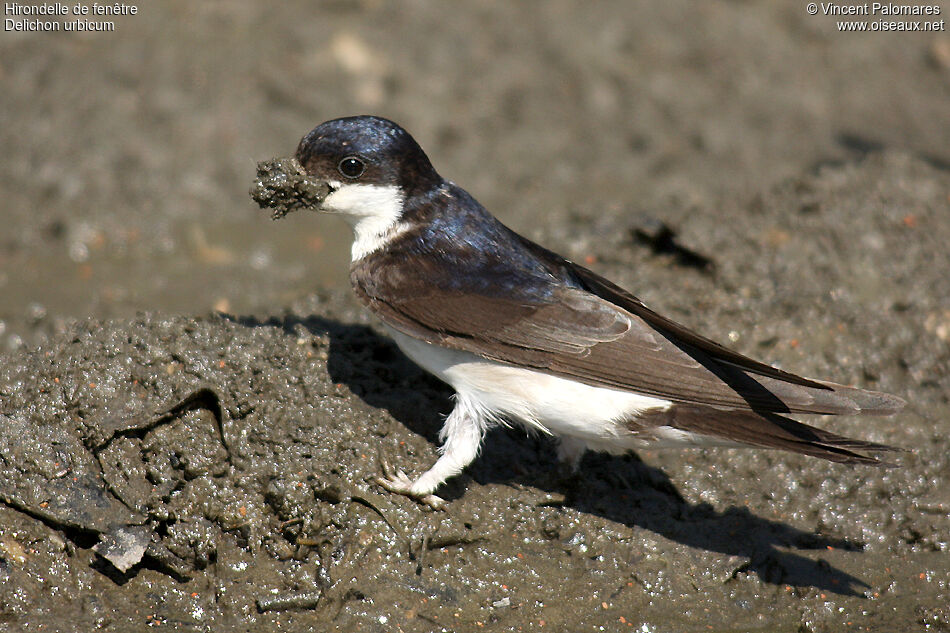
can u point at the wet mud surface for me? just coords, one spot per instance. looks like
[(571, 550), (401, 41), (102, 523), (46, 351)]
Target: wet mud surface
[(214, 473), (193, 407)]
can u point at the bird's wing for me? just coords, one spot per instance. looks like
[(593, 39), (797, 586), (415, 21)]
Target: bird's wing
[(590, 330), (776, 380)]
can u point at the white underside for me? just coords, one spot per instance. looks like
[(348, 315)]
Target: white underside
[(547, 403), (489, 392)]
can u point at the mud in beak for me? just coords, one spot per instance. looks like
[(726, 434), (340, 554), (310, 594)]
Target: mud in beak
[(282, 185)]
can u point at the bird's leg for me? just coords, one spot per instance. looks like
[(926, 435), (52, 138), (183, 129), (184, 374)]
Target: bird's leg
[(462, 437), (570, 451)]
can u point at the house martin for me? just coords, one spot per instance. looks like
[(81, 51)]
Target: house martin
[(525, 336)]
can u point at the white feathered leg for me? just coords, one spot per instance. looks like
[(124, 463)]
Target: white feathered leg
[(570, 451), (462, 436)]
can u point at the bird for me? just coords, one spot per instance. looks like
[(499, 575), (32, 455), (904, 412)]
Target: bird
[(527, 337)]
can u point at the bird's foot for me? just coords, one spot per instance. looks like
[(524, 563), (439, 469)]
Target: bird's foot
[(398, 482)]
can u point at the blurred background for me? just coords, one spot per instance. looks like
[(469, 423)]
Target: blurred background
[(127, 156)]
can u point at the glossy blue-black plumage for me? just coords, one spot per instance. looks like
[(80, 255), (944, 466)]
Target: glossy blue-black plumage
[(472, 252), (391, 155)]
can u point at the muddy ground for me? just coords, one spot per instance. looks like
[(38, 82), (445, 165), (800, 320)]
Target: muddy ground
[(189, 393)]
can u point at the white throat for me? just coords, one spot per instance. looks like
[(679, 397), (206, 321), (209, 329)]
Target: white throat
[(373, 211)]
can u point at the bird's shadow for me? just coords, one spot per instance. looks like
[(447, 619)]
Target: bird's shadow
[(621, 489)]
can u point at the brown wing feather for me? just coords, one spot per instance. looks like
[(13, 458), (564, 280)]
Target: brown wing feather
[(605, 337), (837, 399), (766, 431)]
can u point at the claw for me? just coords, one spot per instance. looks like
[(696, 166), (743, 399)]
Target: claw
[(385, 466), (399, 483)]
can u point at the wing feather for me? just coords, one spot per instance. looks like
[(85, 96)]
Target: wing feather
[(568, 321)]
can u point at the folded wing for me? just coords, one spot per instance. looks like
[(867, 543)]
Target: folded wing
[(576, 324)]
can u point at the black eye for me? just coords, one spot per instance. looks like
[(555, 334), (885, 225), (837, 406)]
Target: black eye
[(351, 167)]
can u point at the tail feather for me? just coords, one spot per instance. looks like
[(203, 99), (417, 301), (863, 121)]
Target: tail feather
[(768, 430), (767, 393)]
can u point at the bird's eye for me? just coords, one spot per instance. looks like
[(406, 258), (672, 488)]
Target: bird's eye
[(351, 167)]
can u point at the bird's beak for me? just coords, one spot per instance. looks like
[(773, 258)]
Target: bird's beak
[(284, 186)]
